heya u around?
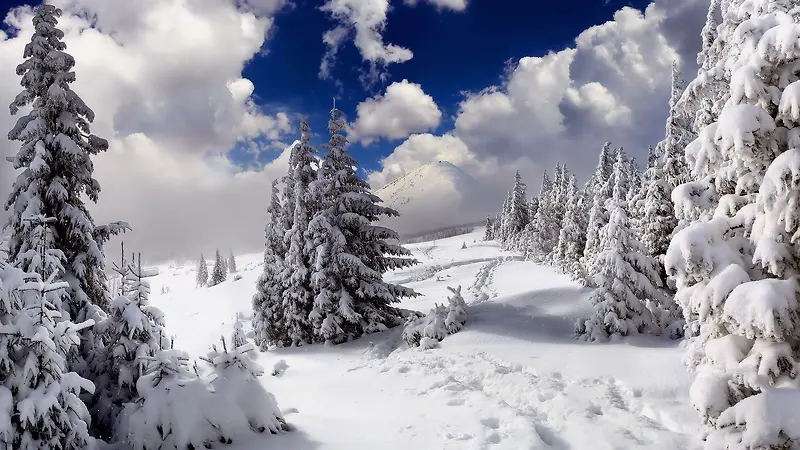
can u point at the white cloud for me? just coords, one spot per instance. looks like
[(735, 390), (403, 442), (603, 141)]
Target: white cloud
[(454, 5), (612, 85), (164, 79), (366, 20), (404, 109)]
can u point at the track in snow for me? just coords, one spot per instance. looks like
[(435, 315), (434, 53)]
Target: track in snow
[(509, 406), (481, 289)]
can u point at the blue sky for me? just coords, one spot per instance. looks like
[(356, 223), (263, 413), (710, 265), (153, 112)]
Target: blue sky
[(453, 52)]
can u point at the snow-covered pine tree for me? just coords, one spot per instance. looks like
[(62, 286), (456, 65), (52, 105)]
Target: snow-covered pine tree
[(351, 253), (488, 235), (736, 272), (518, 216), (56, 176), (47, 410), (218, 272), (572, 237), (505, 220), (231, 262), (543, 236), (624, 275), (267, 301), (202, 272), (298, 294), (133, 332), (601, 189)]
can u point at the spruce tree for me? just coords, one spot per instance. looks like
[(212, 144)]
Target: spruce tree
[(202, 272), (601, 187), (43, 395), (351, 254), (736, 272), (56, 175), (231, 262), (267, 301), (543, 237), (624, 275), (487, 234), (133, 332), (218, 272), (55, 153), (298, 294), (572, 237)]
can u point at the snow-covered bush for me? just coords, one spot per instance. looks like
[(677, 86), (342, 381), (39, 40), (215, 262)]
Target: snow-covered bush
[(437, 324), (176, 409), (236, 380), (238, 337)]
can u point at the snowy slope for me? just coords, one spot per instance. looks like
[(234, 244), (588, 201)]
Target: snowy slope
[(434, 196), (513, 378)]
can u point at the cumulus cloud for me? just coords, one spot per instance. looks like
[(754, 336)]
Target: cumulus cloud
[(164, 79), (404, 109), (612, 85)]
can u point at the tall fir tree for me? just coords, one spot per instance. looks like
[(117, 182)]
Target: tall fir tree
[(518, 216), (488, 234), (218, 272), (601, 185), (543, 236), (351, 253), (202, 272), (572, 237), (231, 262), (267, 301), (42, 396), (736, 272), (624, 276), (298, 294), (56, 175)]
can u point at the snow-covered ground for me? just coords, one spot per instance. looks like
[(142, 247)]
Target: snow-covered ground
[(513, 378)]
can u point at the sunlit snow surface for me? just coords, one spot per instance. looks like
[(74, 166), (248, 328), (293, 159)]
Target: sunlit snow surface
[(513, 378)]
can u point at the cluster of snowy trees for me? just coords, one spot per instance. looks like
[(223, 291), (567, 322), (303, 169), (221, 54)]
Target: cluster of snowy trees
[(714, 223), (219, 271), (610, 234), (81, 363), (325, 258)]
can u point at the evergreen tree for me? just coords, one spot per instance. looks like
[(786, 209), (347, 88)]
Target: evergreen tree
[(267, 301), (231, 262), (543, 236), (600, 189), (218, 272), (487, 234), (624, 275), (202, 271), (55, 158), (518, 211), (351, 253), (736, 271), (572, 237), (298, 294), (133, 332), (42, 396)]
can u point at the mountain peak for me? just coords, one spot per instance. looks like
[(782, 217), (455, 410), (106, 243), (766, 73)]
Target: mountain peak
[(435, 195)]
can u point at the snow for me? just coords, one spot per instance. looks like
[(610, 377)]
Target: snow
[(512, 378)]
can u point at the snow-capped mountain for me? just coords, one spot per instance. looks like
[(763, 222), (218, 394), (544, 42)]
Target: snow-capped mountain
[(436, 195)]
